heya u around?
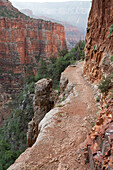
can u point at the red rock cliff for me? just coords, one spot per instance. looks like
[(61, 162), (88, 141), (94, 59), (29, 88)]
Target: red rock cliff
[(98, 62), (23, 41), (99, 43)]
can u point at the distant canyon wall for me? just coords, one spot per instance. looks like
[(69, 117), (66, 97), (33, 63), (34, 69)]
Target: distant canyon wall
[(23, 42), (73, 15), (72, 33)]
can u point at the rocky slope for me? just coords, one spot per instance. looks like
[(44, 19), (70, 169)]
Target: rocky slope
[(73, 35), (99, 40), (23, 41), (99, 144), (99, 63)]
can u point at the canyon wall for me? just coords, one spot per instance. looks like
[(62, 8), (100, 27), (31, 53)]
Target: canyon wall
[(23, 41), (99, 41), (72, 33), (99, 63)]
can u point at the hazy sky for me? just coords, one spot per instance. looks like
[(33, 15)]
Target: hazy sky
[(45, 0)]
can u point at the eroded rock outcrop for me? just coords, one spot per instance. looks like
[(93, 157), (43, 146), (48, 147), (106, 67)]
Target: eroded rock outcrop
[(44, 101), (99, 43)]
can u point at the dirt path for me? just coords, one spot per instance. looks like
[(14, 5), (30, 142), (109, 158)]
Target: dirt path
[(60, 145)]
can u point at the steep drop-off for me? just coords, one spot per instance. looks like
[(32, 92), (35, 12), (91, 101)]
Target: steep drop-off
[(23, 41), (99, 41)]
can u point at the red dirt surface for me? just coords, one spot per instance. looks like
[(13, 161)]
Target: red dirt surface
[(62, 146)]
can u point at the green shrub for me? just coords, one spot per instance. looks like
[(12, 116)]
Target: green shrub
[(63, 52), (63, 98), (98, 98), (105, 84), (94, 48), (88, 29), (93, 124), (110, 30), (107, 105), (112, 58)]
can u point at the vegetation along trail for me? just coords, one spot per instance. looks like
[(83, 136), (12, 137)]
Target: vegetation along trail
[(61, 144)]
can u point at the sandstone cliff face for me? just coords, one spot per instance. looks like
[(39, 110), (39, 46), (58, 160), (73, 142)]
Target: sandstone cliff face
[(98, 63), (99, 45), (72, 33), (23, 41)]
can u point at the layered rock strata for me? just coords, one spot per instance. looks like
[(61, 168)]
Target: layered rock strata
[(98, 63), (23, 41), (99, 41)]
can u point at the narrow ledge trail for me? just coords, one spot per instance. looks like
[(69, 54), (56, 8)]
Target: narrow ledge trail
[(61, 146)]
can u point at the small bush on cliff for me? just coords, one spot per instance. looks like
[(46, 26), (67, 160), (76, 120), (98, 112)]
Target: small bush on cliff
[(42, 70), (63, 52), (110, 30), (94, 48), (106, 84), (98, 98), (112, 58)]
